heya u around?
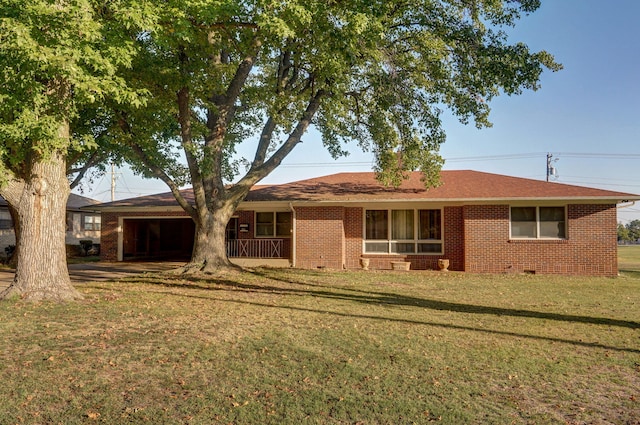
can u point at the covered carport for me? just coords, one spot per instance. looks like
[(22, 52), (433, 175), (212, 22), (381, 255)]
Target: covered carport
[(155, 239)]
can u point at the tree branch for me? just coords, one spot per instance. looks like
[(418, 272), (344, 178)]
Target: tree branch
[(186, 139), (82, 171), (256, 174), (155, 170)]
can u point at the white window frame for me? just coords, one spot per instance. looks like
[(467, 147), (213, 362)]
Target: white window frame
[(274, 224), (93, 222), (416, 229), (538, 237)]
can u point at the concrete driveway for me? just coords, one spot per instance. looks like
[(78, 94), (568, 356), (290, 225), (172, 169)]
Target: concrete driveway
[(95, 272)]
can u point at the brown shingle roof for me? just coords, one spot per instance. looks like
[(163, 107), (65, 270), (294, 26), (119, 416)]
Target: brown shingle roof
[(456, 185), (74, 203), (463, 185)]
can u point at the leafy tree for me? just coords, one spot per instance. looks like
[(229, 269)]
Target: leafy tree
[(58, 58), (623, 233), (633, 229), (261, 72)]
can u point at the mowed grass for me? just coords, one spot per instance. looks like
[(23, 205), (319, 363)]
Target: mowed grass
[(629, 259), (319, 347)]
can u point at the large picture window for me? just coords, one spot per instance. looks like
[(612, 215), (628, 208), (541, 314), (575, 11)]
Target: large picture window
[(404, 231), (273, 224), (538, 223)]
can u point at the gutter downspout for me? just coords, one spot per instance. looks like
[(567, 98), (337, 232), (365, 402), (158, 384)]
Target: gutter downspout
[(293, 235), (626, 206)]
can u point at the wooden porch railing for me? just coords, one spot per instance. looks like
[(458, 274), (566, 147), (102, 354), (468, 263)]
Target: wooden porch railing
[(255, 248)]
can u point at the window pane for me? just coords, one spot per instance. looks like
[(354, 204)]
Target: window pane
[(430, 224), (264, 224), (429, 248), (523, 222), (401, 224), (283, 224), (91, 222), (403, 247), (552, 223), (523, 214), (523, 229), (376, 225), (551, 213), (5, 220), (379, 247)]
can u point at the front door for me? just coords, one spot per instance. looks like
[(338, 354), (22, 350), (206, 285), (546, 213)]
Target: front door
[(232, 229)]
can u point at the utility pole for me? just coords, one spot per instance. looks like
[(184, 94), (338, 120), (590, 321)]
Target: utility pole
[(551, 170), (113, 183)]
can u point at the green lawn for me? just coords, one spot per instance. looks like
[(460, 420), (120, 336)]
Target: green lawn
[(319, 347), (629, 258)]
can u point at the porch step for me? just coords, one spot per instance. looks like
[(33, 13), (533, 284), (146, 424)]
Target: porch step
[(258, 262)]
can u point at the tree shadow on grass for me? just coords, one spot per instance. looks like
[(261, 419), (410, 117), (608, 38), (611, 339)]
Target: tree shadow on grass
[(384, 298), (376, 298)]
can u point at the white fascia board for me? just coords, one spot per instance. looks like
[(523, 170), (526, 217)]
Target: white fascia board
[(446, 201), (126, 210), (284, 205)]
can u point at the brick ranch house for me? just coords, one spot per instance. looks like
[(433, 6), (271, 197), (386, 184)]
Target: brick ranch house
[(478, 221)]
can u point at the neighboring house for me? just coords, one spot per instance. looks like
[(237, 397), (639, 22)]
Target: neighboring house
[(480, 222), (82, 222)]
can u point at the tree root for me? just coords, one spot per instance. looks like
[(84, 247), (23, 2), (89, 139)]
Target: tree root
[(207, 269), (59, 295)]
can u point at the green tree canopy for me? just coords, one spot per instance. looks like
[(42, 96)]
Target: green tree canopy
[(633, 230), (58, 60), (261, 72)]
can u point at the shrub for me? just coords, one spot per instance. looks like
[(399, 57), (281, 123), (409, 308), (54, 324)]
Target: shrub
[(86, 245)]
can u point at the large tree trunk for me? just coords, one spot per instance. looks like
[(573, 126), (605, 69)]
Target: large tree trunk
[(210, 248), (40, 201)]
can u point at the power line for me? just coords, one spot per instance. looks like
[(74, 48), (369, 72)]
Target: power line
[(600, 155), (482, 158), (601, 184)]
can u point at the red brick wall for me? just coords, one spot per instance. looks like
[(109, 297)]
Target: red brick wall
[(453, 239), (109, 237), (320, 237), (246, 217), (590, 247), (353, 228)]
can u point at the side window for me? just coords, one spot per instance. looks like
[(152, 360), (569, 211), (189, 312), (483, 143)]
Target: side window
[(523, 222), (538, 223), (283, 224), (552, 222), (92, 222), (264, 224), (273, 224)]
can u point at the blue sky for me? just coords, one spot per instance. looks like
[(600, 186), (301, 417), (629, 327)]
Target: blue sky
[(587, 115)]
